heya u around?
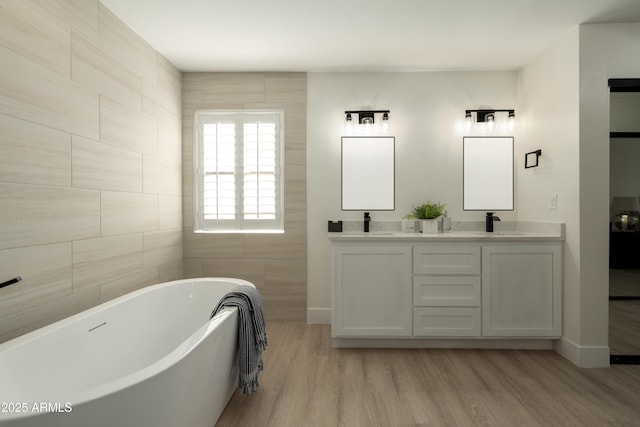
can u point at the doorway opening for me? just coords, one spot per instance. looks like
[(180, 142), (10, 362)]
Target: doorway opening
[(624, 223)]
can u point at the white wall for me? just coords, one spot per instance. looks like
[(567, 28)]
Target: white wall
[(427, 111), (549, 100)]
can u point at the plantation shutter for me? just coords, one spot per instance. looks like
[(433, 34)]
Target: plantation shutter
[(238, 178)]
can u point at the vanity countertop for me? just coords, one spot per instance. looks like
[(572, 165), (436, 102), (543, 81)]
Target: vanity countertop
[(525, 233), (466, 236)]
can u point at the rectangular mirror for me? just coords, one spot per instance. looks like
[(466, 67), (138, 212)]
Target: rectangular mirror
[(368, 173), (487, 173)]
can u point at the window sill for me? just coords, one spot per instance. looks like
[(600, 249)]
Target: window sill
[(238, 231)]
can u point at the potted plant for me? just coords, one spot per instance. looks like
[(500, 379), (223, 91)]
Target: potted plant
[(429, 215)]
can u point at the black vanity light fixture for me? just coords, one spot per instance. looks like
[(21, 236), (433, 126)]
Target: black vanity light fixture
[(367, 118), (488, 116)]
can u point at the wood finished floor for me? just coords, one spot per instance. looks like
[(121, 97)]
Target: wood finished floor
[(306, 382)]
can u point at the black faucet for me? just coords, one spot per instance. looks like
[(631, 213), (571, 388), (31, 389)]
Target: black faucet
[(10, 282), (367, 220), (490, 218)]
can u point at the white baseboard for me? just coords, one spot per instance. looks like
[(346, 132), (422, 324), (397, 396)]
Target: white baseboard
[(319, 316), (586, 356), (483, 343)]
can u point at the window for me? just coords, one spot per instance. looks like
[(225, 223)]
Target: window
[(238, 174)]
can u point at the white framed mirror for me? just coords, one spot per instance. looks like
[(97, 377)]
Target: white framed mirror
[(368, 173), (488, 173)]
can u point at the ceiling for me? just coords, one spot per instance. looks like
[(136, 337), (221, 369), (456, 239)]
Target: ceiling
[(359, 35)]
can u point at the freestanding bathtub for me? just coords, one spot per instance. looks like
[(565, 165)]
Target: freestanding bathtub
[(150, 358)]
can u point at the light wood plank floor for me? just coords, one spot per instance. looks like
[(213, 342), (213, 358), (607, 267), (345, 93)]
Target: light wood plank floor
[(306, 382)]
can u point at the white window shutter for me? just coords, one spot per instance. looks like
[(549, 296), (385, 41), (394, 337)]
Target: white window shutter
[(238, 179)]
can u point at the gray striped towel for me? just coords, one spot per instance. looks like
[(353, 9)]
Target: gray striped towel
[(252, 333)]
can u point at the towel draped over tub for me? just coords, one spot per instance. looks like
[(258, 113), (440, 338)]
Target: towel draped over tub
[(252, 333)]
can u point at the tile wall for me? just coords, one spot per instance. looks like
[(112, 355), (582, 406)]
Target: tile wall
[(275, 263), (90, 161)]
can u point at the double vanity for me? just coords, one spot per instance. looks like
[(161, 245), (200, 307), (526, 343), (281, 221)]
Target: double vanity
[(465, 288)]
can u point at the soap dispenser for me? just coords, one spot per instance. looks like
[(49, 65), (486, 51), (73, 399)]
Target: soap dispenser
[(446, 222)]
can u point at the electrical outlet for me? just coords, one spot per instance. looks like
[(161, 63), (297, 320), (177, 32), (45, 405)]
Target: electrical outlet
[(553, 201)]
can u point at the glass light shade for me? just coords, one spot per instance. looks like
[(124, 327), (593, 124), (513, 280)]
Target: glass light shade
[(625, 213), (468, 121), (626, 222), (491, 121), (348, 123)]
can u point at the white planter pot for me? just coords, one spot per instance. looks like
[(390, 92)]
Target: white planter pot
[(430, 226)]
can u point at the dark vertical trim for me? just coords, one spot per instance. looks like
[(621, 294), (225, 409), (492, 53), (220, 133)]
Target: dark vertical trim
[(624, 85)]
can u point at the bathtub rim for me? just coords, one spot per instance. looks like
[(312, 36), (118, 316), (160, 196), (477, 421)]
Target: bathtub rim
[(163, 363), (31, 335)]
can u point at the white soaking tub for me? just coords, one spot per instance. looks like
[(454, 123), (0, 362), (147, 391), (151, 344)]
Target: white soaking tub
[(149, 358)]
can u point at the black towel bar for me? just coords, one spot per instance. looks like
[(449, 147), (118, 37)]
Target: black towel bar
[(11, 282)]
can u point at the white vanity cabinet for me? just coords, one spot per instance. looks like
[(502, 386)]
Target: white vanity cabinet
[(458, 288), (522, 290), (372, 294), (446, 290)]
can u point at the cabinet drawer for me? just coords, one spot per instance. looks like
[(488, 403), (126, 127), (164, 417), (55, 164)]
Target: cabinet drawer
[(450, 291), (446, 259), (446, 322)]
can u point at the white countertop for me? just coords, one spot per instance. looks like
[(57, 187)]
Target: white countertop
[(516, 232)]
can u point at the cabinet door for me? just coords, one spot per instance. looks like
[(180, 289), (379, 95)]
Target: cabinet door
[(372, 293), (522, 290)]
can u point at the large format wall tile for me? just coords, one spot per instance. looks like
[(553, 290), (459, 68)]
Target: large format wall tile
[(126, 46), (32, 92), (170, 140), (162, 247), (81, 16), (34, 154), (126, 128), (26, 28), (84, 104), (169, 212), (162, 177), (164, 96), (95, 68), (231, 88), (105, 167), (123, 213), (103, 260), (36, 215), (208, 246)]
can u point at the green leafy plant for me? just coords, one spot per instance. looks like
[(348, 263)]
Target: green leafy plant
[(427, 211)]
